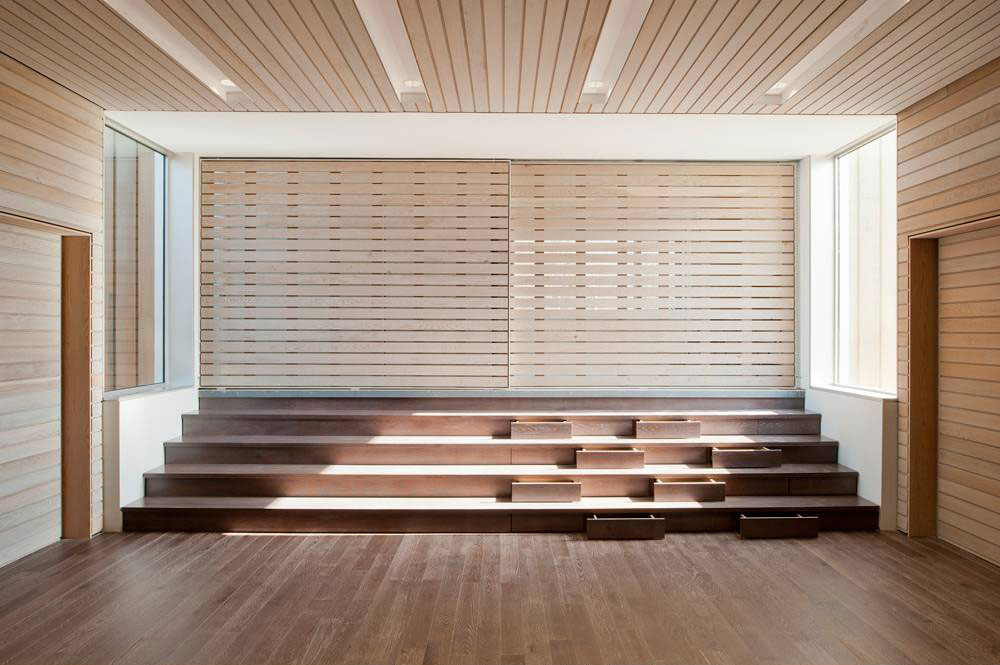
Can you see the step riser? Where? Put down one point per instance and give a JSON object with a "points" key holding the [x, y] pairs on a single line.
{"points": [[453, 454], [470, 486], [452, 425], [292, 521]]}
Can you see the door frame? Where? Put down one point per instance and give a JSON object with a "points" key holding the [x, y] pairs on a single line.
{"points": [[922, 378], [76, 351]]}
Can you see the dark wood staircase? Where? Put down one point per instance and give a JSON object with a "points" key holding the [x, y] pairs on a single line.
{"points": [[450, 465]]}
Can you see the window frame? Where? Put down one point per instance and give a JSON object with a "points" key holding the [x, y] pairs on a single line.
{"points": [[165, 380], [835, 377]]}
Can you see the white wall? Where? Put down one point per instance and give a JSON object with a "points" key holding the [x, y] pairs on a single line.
{"points": [[136, 427]]}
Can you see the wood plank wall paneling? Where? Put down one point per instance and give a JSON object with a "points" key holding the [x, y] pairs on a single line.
{"points": [[354, 273], [948, 173], [30, 510], [51, 145], [968, 496], [643, 274]]}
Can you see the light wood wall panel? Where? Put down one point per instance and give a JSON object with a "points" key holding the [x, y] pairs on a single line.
{"points": [[948, 173], [652, 274], [30, 509], [51, 170], [354, 273], [969, 391]]}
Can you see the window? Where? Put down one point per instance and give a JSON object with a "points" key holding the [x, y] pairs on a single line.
{"points": [[866, 266], [134, 177]]}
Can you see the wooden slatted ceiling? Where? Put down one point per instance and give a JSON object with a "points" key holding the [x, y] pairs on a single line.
{"points": [[87, 47], [668, 274], [30, 509], [969, 392], [294, 55], [948, 173], [344, 273], [691, 56]]}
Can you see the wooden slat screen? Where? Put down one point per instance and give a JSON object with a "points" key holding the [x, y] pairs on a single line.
{"points": [[30, 515], [969, 391], [652, 274], [354, 273]]}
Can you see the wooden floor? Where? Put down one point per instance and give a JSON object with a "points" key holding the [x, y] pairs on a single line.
{"points": [[199, 599]]}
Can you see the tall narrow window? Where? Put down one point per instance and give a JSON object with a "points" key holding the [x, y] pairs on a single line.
{"points": [[866, 266], [133, 262]]}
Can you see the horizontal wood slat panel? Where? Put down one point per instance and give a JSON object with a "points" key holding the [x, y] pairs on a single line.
{"points": [[30, 397], [969, 396], [311, 282], [594, 263]]}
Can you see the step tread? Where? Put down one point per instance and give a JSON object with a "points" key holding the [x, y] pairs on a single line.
{"points": [[446, 440], [270, 470], [818, 503], [369, 413]]}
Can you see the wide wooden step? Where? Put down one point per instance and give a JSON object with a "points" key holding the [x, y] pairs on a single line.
{"points": [[419, 450], [301, 480], [470, 515], [374, 422]]}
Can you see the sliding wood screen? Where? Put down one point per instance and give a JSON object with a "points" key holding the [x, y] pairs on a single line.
{"points": [[645, 274], [354, 274]]}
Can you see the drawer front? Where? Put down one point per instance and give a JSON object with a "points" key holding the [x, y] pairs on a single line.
{"points": [[667, 429], [523, 429], [542, 491], [780, 526], [688, 490], [610, 459], [626, 527], [745, 458]]}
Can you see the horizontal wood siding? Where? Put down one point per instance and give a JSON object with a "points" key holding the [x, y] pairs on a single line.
{"points": [[969, 391], [948, 173], [51, 147], [354, 274], [643, 274], [29, 391]]}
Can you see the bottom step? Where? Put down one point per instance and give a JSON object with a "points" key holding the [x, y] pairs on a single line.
{"points": [[471, 515]]}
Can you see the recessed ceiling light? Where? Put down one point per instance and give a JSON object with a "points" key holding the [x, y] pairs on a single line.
{"points": [[595, 85], [780, 85], [412, 83], [227, 83], [392, 43], [622, 23]]}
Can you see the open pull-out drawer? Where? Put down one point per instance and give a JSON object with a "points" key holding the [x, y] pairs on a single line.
{"points": [[745, 458], [610, 458], [626, 526], [541, 429], [706, 489], [667, 429], [778, 526], [540, 491]]}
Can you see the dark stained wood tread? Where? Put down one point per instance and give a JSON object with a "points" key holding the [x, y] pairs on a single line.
{"points": [[501, 470], [474, 440], [822, 503]]}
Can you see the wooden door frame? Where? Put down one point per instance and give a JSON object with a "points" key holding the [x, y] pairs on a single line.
{"points": [[75, 376], [922, 377]]}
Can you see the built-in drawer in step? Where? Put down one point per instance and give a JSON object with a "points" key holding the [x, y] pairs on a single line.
{"points": [[745, 458], [544, 491], [625, 527], [689, 490], [541, 429], [778, 526], [610, 458], [667, 429]]}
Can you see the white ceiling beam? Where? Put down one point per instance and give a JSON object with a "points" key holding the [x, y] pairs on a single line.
{"points": [[618, 34]]}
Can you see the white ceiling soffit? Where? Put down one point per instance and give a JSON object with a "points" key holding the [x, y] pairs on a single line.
{"points": [[618, 35], [146, 20], [499, 135], [388, 34], [844, 37]]}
